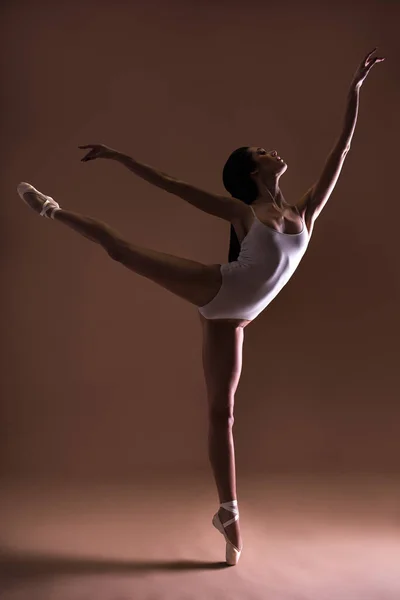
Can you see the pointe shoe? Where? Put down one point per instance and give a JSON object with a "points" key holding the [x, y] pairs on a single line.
{"points": [[49, 206], [232, 553]]}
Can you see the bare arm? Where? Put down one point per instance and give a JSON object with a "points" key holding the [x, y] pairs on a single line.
{"points": [[224, 207], [317, 196]]}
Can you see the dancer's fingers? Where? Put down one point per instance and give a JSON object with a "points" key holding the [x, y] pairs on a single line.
{"points": [[368, 56]]}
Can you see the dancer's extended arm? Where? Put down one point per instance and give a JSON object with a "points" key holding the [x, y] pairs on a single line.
{"points": [[224, 207], [317, 196]]}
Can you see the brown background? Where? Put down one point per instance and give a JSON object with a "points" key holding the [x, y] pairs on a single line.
{"points": [[101, 369]]}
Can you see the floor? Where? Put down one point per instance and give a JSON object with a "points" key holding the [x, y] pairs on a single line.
{"points": [[305, 538]]}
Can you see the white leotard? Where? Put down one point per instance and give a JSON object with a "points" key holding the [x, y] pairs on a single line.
{"points": [[266, 262]]}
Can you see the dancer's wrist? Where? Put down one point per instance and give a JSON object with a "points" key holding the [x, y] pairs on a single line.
{"points": [[115, 155]]}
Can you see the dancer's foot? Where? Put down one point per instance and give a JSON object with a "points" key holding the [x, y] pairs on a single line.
{"points": [[231, 534], [44, 205], [232, 530]]}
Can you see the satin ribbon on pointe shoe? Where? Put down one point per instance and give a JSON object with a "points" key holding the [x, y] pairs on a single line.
{"points": [[232, 553]]}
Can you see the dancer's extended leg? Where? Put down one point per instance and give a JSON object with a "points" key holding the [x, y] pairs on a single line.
{"points": [[193, 281]]}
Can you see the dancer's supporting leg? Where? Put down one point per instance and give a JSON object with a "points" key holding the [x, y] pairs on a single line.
{"points": [[222, 363]]}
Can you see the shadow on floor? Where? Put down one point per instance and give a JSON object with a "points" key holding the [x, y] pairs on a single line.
{"points": [[31, 565]]}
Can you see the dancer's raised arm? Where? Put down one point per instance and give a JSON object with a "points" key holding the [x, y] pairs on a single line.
{"points": [[224, 207], [317, 196]]}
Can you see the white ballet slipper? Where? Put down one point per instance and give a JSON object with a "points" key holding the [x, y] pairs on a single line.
{"points": [[232, 553], [49, 206]]}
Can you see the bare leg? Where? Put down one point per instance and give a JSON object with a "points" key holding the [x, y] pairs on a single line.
{"points": [[193, 281], [222, 342], [222, 362], [222, 349]]}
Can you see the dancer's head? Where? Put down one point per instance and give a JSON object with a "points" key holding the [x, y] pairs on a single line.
{"points": [[249, 169], [246, 173]]}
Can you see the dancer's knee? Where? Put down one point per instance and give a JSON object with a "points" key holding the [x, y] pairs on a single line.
{"points": [[115, 248], [221, 411]]}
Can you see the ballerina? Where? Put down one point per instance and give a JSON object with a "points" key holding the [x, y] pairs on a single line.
{"points": [[269, 237]]}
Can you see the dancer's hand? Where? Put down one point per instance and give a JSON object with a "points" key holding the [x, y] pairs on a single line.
{"points": [[364, 68], [97, 151]]}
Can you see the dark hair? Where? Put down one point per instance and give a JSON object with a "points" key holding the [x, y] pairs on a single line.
{"points": [[237, 181]]}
